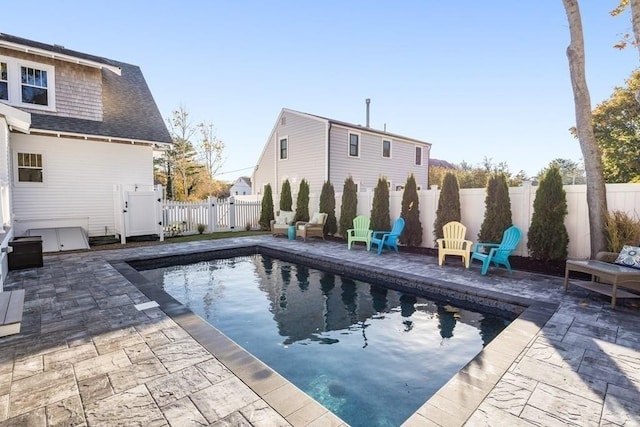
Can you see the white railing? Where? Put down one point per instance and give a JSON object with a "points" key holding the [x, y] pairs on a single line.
{"points": [[213, 214]]}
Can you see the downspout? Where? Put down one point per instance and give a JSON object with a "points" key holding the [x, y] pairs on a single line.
{"points": [[328, 171]]}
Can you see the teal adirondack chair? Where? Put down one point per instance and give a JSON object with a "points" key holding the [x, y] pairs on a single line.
{"points": [[388, 238], [497, 253], [360, 232]]}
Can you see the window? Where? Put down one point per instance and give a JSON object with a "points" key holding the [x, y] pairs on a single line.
{"points": [[4, 82], [418, 156], [386, 148], [284, 143], [30, 167], [27, 84], [35, 86], [354, 145]]}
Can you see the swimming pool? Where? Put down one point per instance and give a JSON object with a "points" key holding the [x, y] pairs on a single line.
{"points": [[369, 354]]}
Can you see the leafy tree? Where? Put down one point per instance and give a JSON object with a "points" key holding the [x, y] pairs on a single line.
{"points": [[349, 207], [328, 206], [285, 196], [470, 176], [571, 172], [210, 149], [410, 212], [548, 236], [615, 124], [266, 212], [380, 216], [596, 190], [448, 205], [497, 214], [302, 202]]}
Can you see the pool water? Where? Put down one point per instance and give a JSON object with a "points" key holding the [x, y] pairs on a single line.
{"points": [[369, 354]]}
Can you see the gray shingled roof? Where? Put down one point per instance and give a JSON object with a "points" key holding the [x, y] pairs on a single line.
{"points": [[129, 110]]}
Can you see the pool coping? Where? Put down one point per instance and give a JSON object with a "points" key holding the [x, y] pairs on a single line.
{"points": [[452, 404]]}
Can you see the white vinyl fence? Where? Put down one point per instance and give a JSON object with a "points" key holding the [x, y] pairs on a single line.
{"points": [[234, 213], [240, 212]]}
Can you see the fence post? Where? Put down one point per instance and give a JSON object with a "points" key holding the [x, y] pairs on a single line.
{"points": [[211, 214], [232, 213]]}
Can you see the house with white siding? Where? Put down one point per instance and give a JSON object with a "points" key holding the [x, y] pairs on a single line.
{"points": [[241, 187], [73, 126], [319, 149]]}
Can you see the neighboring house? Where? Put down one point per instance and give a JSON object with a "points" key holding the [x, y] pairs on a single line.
{"points": [[318, 149], [241, 187], [73, 126]]}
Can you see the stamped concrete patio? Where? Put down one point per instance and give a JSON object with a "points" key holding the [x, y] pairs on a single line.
{"points": [[95, 350]]}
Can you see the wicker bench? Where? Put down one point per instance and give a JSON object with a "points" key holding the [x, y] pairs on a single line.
{"points": [[607, 278]]}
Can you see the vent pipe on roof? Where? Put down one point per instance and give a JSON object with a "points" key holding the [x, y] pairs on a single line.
{"points": [[368, 101]]}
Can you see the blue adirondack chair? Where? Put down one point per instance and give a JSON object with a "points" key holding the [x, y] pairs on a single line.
{"points": [[497, 253], [388, 238]]}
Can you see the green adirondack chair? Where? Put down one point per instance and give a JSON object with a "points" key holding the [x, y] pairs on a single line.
{"points": [[497, 253], [388, 238], [360, 232]]}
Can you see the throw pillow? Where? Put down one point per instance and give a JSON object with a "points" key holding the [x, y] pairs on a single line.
{"points": [[315, 219], [280, 220], [629, 256]]}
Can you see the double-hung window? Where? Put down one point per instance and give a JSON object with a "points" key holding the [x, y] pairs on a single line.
{"points": [[29, 167], [418, 156], [386, 148], [27, 84], [354, 145], [284, 148], [4, 82]]}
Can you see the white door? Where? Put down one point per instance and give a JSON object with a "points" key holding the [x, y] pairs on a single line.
{"points": [[140, 210]]}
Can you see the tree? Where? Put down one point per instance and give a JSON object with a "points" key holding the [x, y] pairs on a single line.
{"points": [[616, 122], [380, 216], [349, 206], [182, 156], [448, 205], [302, 202], [470, 176], [571, 172], [285, 196], [596, 190], [548, 237], [497, 214], [410, 212], [328, 206], [266, 212], [210, 149]]}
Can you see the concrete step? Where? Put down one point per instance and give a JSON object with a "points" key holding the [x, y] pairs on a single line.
{"points": [[11, 305]]}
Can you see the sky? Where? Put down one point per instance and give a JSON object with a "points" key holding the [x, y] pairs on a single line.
{"points": [[476, 79]]}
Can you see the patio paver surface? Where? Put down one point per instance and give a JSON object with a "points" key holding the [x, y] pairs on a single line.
{"points": [[87, 356]]}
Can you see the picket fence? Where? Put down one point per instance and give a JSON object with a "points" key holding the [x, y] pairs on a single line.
{"points": [[243, 212], [211, 214]]}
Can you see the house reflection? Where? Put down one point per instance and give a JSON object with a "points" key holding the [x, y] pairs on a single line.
{"points": [[322, 302]]}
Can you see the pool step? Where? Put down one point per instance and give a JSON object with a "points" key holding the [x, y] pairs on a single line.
{"points": [[11, 305]]}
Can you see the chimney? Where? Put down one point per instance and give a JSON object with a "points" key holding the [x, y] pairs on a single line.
{"points": [[368, 101]]}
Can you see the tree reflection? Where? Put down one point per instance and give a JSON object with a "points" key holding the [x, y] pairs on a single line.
{"points": [[348, 295], [379, 297], [302, 274], [446, 321], [407, 308]]}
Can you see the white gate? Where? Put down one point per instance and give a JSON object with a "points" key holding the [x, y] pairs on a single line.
{"points": [[140, 212]]}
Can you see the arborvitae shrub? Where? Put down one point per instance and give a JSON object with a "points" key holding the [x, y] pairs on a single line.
{"points": [[497, 214], [412, 233], [349, 207], [548, 236], [448, 204], [266, 211], [285, 196], [328, 206], [302, 202], [380, 217]]}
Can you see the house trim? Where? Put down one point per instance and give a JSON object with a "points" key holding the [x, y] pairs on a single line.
{"points": [[16, 119], [59, 56], [97, 138]]}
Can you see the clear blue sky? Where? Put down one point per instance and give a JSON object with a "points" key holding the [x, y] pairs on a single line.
{"points": [[474, 78]]}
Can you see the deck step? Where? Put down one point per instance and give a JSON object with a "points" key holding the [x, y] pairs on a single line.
{"points": [[11, 306]]}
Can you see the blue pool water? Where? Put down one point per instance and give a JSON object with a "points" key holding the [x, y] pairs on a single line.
{"points": [[371, 355]]}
